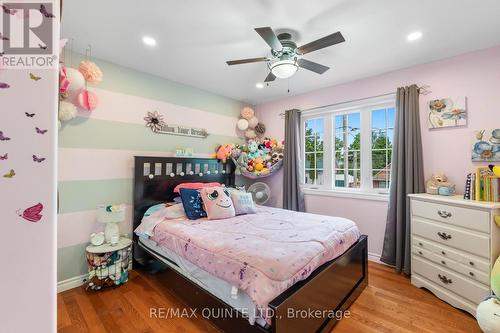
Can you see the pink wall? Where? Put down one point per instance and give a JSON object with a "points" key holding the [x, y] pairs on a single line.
{"points": [[474, 75]]}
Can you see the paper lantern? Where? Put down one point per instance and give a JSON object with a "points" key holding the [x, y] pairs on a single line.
{"points": [[250, 134], [252, 122], [87, 100], [76, 80], [242, 124], [247, 113], [90, 71], [67, 111]]}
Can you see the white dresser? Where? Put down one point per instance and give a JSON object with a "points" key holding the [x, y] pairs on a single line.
{"points": [[454, 244]]}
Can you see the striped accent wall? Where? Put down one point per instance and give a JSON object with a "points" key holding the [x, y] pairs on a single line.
{"points": [[96, 149]]}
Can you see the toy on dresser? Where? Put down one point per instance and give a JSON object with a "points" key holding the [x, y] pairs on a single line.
{"points": [[488, 311], [438, 184]]}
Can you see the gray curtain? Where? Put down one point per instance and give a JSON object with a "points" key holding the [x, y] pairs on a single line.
{"points": [[407, 177], [293, 197]]}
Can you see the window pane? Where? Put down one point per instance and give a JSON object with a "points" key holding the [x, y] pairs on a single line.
{"points": [[310, 127], [339, 160], [319, 142], [354, 159], [340, 180], [379, 159], [391, 117], [378, 119], [390, 137], [339, 141], [310, 176], [354, 121], [319, 125], [379, 139], [319, 161], [354, 177], [355, 140], [320, 180], [381, 178], [310, 161], [339, 123], [309, 144]]}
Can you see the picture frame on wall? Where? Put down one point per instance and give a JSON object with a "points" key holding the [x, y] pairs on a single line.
{"points": [[486, 145], [447, 112]]}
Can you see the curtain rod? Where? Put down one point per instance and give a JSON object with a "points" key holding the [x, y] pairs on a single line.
{"points": [[423, 90]]}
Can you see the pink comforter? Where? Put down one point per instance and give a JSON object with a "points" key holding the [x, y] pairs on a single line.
{"points": [[262, 254]]}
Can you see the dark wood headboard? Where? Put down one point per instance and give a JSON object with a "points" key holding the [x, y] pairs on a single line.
{"points": [[156, 177]]}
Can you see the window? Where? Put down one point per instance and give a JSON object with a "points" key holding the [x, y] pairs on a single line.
{"points": [[348, 147]]}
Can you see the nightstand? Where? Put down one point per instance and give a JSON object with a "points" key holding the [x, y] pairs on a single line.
{"points": [[108, 265]]}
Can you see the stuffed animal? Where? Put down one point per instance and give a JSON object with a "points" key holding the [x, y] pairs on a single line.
{"points": [[488, 315], [495, 169], [223, 152], [235, 152], [435, 182], [495, 277]]}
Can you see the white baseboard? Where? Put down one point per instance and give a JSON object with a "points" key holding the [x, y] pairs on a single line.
{"points": [[71, 283], [374, 257]]}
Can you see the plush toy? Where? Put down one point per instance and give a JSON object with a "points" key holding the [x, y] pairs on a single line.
{"points": [[259, 167], [223, 152], [247, 113], [235, 152], [495, 169], [488, 315], [495, 277], [252, 146], [250, 134], [435, 182]]}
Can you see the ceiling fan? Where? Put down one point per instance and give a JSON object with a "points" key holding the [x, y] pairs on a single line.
{"points": [[286, 56]]}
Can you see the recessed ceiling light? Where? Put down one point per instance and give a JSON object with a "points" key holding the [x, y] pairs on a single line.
{"points": [[414, 36], [149, 41], [259, 85]]}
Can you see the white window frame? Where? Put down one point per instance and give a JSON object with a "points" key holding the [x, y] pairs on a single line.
{"points": [[365, 108]]}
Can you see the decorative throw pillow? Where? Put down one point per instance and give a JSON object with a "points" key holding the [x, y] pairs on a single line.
{"points": [[193, 205], [195, 186], [243, 202], [218, 203]]}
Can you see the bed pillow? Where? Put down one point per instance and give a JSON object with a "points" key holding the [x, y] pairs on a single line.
{"points": [[243, 202], [193, 204], [194, 186], [218, 203], [151, 210]]}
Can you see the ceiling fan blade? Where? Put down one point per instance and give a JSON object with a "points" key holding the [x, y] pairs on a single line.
{"points": [[270, 37], [246, 61], [312, 66], [321, 43], [270, 77]]}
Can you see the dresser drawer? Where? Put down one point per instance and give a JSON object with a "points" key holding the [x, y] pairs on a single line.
{"points": [[423, 244], [466, 240], [447, 252], [422, 253], [474, 274], [469, 289], [476, 263], [468, 218]]}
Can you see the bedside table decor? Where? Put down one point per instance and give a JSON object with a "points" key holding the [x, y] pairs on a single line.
{"points": [[108, 265], [111, 215]]}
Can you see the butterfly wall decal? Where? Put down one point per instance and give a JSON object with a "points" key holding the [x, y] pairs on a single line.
{"points": [[43, 47], [45, 13], [1, 54], [40, 131], [33, 213], [10, 174], [8, 11], [38, 159], [29, 115], [3, 137], [4, 85], [4, 157], [34, 77], [2, 37]]}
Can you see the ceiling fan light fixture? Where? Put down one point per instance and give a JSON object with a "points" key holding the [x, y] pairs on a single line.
{"points": [[284, 69]]}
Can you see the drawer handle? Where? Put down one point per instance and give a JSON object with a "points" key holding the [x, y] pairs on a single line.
{"points": [[444, 214], [444, 279], [471, 263], [471, 274], [444, 235]]}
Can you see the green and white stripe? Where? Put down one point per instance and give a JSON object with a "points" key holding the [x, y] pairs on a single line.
{"points": [[96, 149]]}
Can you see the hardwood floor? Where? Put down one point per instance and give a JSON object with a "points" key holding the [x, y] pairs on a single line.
{"points": [[389, 304]]}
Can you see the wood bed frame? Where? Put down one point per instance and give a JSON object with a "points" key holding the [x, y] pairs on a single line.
{"points": [[312, 305]]}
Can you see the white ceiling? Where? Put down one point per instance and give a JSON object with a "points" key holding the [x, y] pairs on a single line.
{"points": [[195, 38]]}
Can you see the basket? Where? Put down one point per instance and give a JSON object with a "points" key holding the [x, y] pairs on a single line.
{"points": [[257, 175]]}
